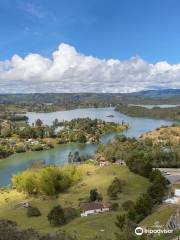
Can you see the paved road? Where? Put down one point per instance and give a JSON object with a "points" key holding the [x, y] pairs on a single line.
{"points": [[173, 174]]}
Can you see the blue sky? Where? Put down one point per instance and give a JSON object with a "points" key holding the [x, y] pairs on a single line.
{"points": [[142, 37], [103, 28]]}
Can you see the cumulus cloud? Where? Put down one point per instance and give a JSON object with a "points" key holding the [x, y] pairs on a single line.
{"points": [[70, 71]]}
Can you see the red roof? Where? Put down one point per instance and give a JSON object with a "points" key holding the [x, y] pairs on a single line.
{"points": [[94, 205]]}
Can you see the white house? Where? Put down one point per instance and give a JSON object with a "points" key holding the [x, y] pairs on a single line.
{"points": [[90, 208], [175, 199]]}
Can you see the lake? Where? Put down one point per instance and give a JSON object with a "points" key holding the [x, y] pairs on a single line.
{"points": [[58, 155]]}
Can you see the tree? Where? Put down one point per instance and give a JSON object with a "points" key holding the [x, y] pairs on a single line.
{"points": [[76, 157], [55, 122], [143, 206], [6, 132], [115, 206], [147, 169], [56, 216], [94, 195], [115, 187], [82, 137], [39, 122], [70, 158], [121, 221], [156, 191]]}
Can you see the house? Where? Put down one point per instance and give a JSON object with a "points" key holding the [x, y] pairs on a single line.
{"points": [[103, 163], [175, 199], [90, 208]]}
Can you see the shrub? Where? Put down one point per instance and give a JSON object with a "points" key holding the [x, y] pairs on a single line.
{"points": [[33, 212], [128, 205], [56, 216], [115, 187], [115, 206], [70, 213]]}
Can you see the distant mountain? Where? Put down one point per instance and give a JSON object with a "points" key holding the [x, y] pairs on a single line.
{"points": [[72, 100], [157, 93]]}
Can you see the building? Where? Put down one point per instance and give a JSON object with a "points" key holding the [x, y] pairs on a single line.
{"points": [[120, 162], [104, 163], [90, 208]]}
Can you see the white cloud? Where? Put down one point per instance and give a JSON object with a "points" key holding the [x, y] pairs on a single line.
{"points": [[70, 71], [33, 10]]}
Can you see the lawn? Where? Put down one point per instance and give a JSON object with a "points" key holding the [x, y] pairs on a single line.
{"points": [[87, 227]]}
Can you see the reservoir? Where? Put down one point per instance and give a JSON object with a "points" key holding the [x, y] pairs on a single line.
{"points": [[59, 155]]}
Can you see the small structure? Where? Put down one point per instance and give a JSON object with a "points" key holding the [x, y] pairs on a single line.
{"points": [[90, 208], [120, 162], [175, 199], [104, 163], [24, 204]]}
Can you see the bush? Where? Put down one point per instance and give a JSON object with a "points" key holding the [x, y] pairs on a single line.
{"points": [[56, 216], [115, 206], [70, 213], [33, 212], [128, 205]]}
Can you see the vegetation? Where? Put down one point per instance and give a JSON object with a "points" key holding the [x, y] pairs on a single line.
{"points": [[95, 196], [56, 216], [165, 136], [49, 102], [115, 188], [33, 212], [49, 180], [22, 137], [89, 227], [140, 154], [59, 216], [10, 231], [171, 113], [142, 207], [128, 205], [87, 130]]}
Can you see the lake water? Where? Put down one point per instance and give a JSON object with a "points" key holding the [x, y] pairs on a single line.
{"points": [[59, 155]]}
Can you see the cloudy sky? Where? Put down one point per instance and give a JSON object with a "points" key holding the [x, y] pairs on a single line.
{"points": [[89, 46]]}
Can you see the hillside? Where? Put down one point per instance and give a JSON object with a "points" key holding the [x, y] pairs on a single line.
{"points": [[88, 227], [56, 101], [164, 135]]}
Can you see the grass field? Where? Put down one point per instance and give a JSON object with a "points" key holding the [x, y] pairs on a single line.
{"points": [[161, 214], [85, 228]]}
